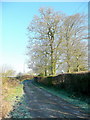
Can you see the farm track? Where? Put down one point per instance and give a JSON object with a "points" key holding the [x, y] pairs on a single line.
{"points": [[38, 103], [43, 104]]}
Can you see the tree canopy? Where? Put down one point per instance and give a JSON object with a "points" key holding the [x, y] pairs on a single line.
{"points": [[55, 40]]}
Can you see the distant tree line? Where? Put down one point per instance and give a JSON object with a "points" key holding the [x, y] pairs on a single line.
{"points": [[56, 41]]}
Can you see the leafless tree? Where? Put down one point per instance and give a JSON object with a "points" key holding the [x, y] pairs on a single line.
{"points": [[56, 39]]}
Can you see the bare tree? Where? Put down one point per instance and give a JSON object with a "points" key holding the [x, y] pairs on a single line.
{"points": [[74, 31], [6, 71], [56, 39], [46, 29]]}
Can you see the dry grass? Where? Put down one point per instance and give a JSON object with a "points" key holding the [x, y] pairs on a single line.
{"points": [[8, 91], [6, 107]]}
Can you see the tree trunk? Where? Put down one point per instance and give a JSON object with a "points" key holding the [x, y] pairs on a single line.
{"points": [[54, 67], [77, 65], [52, 62], [45, 72], [68, 67]]}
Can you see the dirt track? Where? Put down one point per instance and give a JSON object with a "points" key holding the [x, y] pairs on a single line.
{"points": [[42, 104]]}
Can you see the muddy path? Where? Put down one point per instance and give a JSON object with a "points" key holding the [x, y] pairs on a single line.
{"points": [[42, 104]]}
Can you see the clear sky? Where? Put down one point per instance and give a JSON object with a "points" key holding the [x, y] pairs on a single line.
{"points": [[16, 17]]}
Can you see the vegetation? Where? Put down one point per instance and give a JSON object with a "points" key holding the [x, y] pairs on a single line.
{"points": [[24, 77], [9, 92], [75, 82], [74, 85], [56, 42], [20, 109], [10, 89], [66, 92]]}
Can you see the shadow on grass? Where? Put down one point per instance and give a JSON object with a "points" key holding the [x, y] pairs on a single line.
{"points": [[20, 108]]}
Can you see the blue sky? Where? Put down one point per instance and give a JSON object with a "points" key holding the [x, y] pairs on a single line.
{"points": [[16, 17]]}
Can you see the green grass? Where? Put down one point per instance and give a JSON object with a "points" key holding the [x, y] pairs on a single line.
{"points": [[77, 101], [20, 110], [13, 92], [15, 97]]}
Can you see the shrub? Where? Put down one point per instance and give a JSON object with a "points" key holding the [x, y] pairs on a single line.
{"points": [[48, 81]]}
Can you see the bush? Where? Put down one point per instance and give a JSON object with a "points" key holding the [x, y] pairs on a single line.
{"points": [[48, 81], [24, 77]]}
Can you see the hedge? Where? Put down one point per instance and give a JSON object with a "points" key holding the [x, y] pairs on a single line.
{"points": [[76, 82]]}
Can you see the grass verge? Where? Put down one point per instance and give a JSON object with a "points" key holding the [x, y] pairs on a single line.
{"points": [[9, 97], [13, 92]]}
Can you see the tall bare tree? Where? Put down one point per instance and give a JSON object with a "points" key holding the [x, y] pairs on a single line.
{"points": [[46, 31], [56, 39], [74, 31]]}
